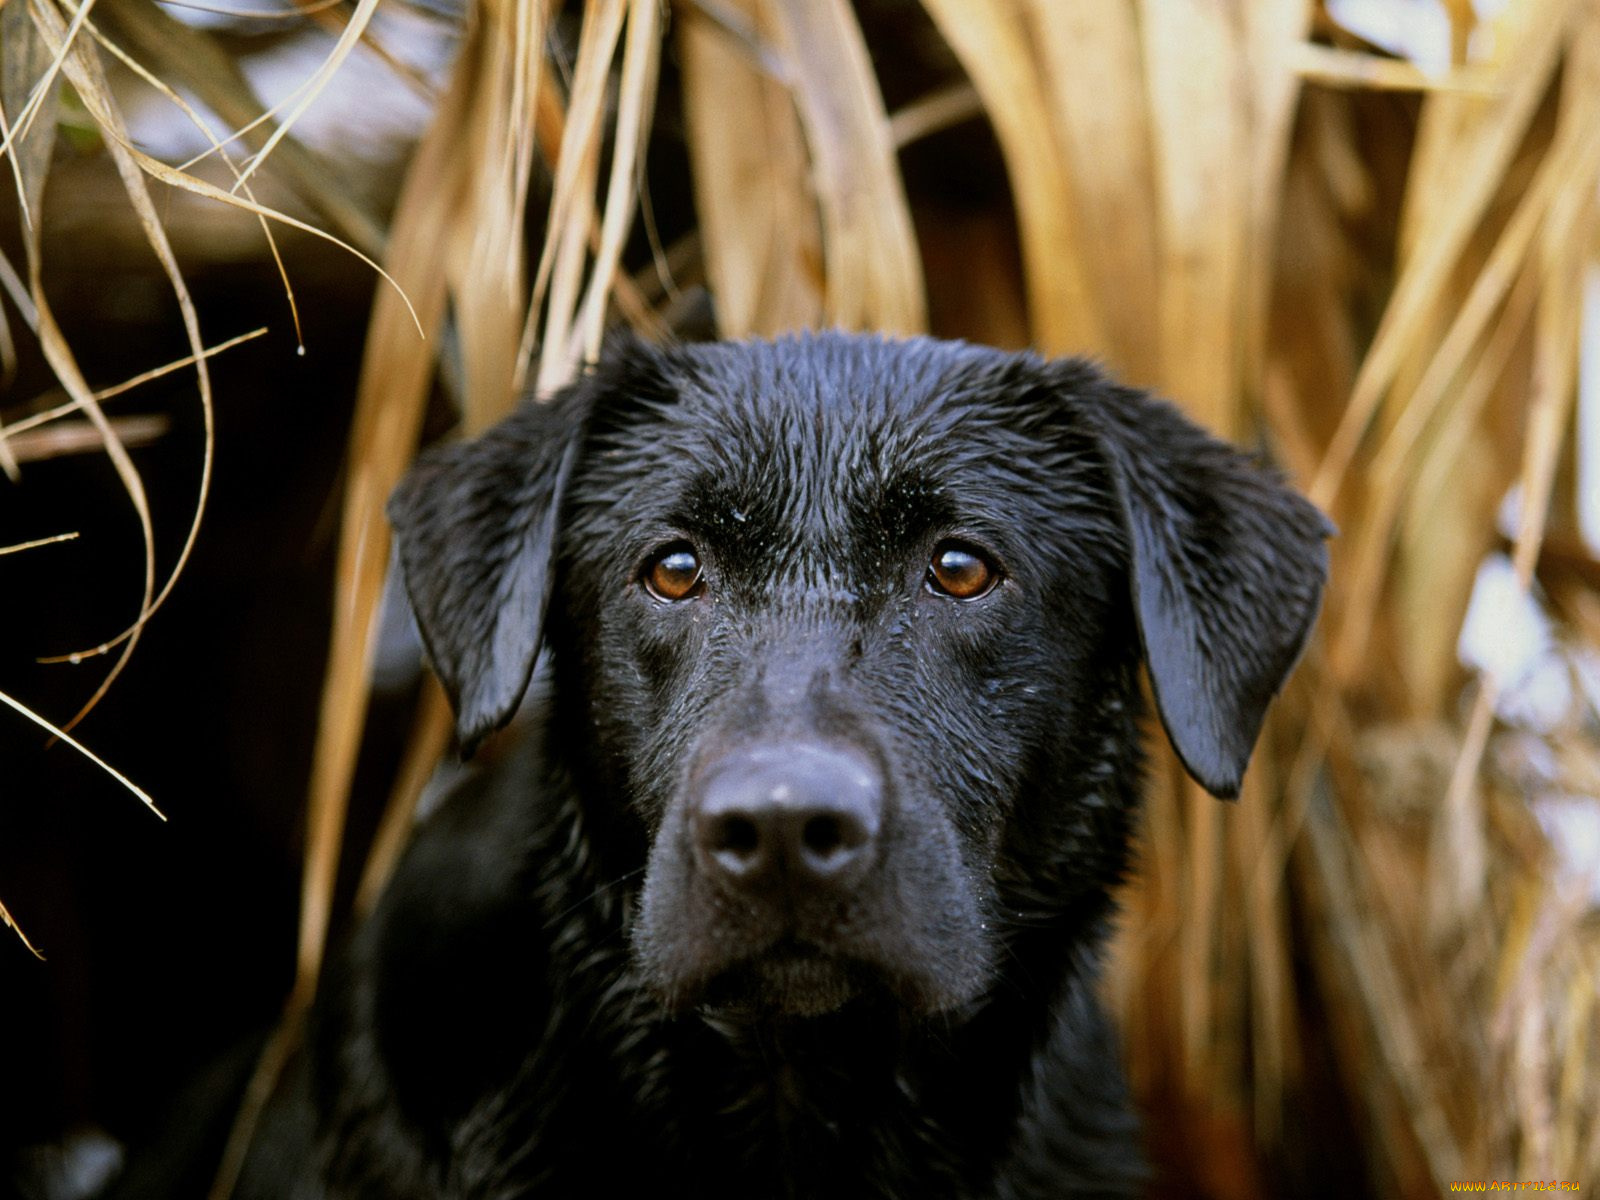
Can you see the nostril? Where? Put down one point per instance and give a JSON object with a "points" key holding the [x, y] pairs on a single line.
{"points": [[823, 835], [831, 843], [736, 835]]}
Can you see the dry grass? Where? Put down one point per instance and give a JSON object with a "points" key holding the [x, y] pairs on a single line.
{"points": [[1375, 271]]}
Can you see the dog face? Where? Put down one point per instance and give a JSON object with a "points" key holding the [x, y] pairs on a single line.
{"points": [[848, 632]]}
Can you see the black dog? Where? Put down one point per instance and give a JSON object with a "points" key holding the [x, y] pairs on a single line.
{"points": [[795, 883]]}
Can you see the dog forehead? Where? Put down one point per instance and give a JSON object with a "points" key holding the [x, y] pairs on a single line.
{"points": [[837, 423], [834, 397]]}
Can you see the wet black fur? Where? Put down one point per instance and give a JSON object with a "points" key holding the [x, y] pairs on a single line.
{"points": [[549, 1002]]}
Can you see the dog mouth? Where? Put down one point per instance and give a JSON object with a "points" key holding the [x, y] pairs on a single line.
{"points": [[791, 978]]}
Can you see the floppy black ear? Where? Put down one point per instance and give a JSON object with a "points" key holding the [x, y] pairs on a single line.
{"points": [[475, 525], [1226, 566]]}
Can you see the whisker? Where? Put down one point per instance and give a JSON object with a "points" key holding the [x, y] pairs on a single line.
{"points": [[590, 897]]}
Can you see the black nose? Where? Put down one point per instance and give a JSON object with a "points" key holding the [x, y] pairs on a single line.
{"points": [[795, 815]]}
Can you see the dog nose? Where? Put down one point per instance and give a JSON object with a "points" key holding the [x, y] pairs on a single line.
{"points": [[788, 815]]}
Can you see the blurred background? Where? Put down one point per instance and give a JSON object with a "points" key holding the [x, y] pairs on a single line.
{"points": [[255, 254]]}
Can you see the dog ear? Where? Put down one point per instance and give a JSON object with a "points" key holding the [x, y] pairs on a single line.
{"points": [[475, 527], [1226, 568]]}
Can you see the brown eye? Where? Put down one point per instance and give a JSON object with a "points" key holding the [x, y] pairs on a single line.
{"points": [[960, 572], [674, 574]]}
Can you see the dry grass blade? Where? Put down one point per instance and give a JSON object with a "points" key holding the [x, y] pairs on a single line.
{"points": [[758, 216], [18, 547], [66, 410], [431, 730], [994, 50], [281, 1043], [638, 85], [379, 48], [1331, 66], [18, 292], [63, 736], [1200, 122], [312, 88], [25, 62], [81, 437], [295, 12], [744, 26], [486, 260], [1096, 79], [1461, 864], [1274, 88], [566, 281], [8, 366], [871, 262], [937, 111], [10, 923], [562, 259], [8, 373], [1435, 490]]}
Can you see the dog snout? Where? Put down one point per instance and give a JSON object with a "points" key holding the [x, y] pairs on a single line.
{"points": [[802, 817]]}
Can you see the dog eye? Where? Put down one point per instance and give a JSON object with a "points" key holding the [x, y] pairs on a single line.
{"points": [[674, 573], [961, 572]]}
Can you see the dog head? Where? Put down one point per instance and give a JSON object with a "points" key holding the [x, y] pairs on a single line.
{"points": [[848, 630]]}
